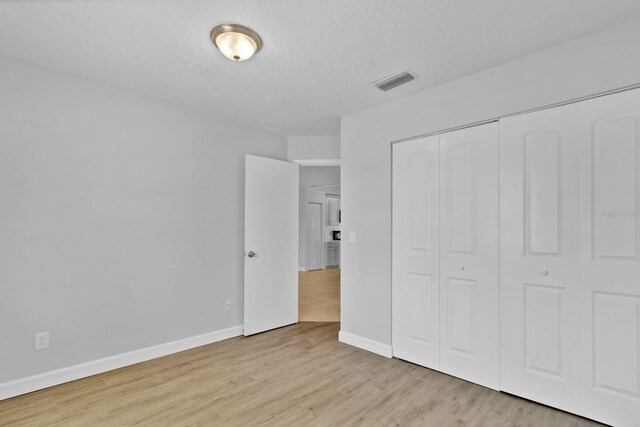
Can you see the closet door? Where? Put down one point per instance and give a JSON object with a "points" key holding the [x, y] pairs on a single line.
{"points": [[415, 251], [539, 283], [469, 255], [610, 256]]}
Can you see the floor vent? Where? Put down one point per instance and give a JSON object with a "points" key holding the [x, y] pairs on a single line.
{"points": [[394, 80]]}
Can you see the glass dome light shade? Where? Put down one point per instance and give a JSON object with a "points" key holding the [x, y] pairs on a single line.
{"points": [[236, 42]]}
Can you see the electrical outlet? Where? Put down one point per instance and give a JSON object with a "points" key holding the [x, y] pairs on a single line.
{"points": [[228, 306], [42, 341]]}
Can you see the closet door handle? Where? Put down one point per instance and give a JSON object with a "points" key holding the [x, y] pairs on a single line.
{"points": [[544, 271], [461, 267]]}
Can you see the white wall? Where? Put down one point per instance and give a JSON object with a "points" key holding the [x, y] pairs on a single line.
{"points": [[586, 66], [121, 219], [318, 176], [313, 147]]}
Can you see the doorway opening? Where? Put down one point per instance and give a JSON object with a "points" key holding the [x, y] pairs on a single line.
{"points": [[319, 244]]}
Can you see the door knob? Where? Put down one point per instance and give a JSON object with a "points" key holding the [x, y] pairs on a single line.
{"points": [[544, 271], [461, 268], [251, 254]]}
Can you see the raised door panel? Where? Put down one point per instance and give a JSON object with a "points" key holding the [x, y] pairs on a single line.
{"points": [[614, 190], [469, 254], [542, 187], [333, 209], [461, 182], [419, 301], [461, 316], [331, 261], [609, 258], [543, 337], [539, 289], [615, 348], [415, 251]]}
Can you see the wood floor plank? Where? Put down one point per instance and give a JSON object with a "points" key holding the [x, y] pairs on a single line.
{"points": [[294, 376], [319, 295]]}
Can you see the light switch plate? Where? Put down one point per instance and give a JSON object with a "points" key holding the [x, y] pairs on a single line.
{"points": [[352, 237]]}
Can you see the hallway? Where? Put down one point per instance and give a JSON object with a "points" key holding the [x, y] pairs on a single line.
{"points": [[319, 295]]}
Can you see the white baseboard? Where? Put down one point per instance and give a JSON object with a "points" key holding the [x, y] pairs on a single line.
{"points": [[365, 344], [87, 369], [302, 269]]}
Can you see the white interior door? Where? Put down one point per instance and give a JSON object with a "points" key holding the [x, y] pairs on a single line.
{"points": [[610, 257], [314, 236], [539, 285], [469, 254], [416, 228], [271, 244]]}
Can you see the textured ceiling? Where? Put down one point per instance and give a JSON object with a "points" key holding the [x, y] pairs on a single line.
{"points": [[319, 56]]}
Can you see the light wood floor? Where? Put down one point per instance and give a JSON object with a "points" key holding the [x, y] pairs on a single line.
{"points": [[319, 296], [295, 376]]}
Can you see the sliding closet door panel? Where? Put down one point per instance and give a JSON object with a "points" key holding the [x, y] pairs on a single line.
{"points": [[539, 257], [469, 256], [610, 256], [415, 251]]}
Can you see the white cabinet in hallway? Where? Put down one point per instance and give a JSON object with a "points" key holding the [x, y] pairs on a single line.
{"points": [[445, 246], [333, 210], [333, 254]]}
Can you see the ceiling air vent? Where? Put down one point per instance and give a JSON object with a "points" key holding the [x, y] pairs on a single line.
{"points": [[394, 80]]}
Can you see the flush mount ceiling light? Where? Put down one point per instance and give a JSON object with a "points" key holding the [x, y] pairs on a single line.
{"points": [[236, 42]]}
